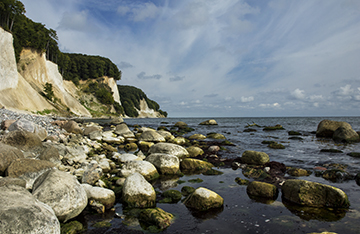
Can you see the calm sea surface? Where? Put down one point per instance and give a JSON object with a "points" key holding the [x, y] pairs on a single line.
{"points": [[244, 215]]}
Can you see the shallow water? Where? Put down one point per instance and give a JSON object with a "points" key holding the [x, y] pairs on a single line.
{"points": [[241, 214]]}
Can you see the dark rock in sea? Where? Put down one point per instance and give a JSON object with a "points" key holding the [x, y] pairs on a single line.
{"points": [[262, 189], [354, 154], [331, 151], [272, 128]]}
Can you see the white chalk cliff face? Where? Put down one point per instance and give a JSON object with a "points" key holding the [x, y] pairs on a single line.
{"points": [[15, 92], [146, 112]]}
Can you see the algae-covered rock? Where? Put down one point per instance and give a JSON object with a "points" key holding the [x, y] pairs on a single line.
{"points": [[314, 194], [255, 157], [191, 164], [241, 181], [195, 151], [187, 190], [171, 196], [262, 189], [209, 122], [72, 227], [255, 173], [197, 136], [214, 135], [180, 124], [178, 140], [298, 172], [345, 134], [276, 145], [326, 128], [156, 217], [166, 164], [272, 128], [138, 193], [204, 199], [169, 148]]}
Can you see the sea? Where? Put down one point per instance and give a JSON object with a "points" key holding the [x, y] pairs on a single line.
{"points": [[240, 213]]}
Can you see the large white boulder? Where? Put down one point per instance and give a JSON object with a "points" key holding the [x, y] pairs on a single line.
{"points": [[145, 168], [165, 163], [103, 195], [137, 192], [169, 148], [62, 192]]}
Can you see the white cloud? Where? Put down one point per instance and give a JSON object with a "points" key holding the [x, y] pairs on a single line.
{"points": [[273, 105], [139, 12], [247, 99], [77, 21], [142, 75], [298, 94]]}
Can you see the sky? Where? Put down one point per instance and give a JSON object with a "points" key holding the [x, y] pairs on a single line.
{"points": [[228, 58]]}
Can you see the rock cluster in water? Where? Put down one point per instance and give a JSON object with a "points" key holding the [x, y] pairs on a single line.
{"points": [[56, 170]]}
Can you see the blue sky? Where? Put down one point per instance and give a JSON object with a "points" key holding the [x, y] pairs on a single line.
{"points": [[228, 58]]}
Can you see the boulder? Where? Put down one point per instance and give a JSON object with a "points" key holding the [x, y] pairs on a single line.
{"points": [[6, 123], [197, 136], [209, 122], [138, 193], [195, 151], [343, 134], [62, 192], [22, 140], [169, 148], [90, 129], [204, 199], [167, 135], [156, 217], [180, 124], [314, 194], [116, 120], [95, 135], [28, 169], [92, 173], [22, 213], [26, 125], [50, 153], [103, 195], [125, 157], [7, 155], [262, 189], [178, 140], [215, 135], [151, 136], [123, 130], [74, 154], [254, 157], [14, 181], [195, 165], [72, 127], [145, 146], [214, 148], [326, 128], [145, 168], [166, 164], [298, 172]]}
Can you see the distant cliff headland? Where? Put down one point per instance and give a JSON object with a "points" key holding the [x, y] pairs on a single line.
{"points": [[35, 76]]}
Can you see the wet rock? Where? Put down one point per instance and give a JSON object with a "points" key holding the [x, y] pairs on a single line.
{"points": [[137, 192], [197, 136], [241, 181], [187, 190], [331, 151], [194, 165], [166, 164], [178, 141], [276, 145], [255, 173], [214, 135], [171, 196], [209, 122], [169, 148], [7, 155], [151, 136], [326, 128], [102, 195], [28, 169], [156, 217], [195, 151], [336, 175], [314, 194], [92, 173], [21, 213], [180, 124], [254, 157], [72, 227], [357, 178], [166, 134], [262, 189], [204, 199], [272, 128], [293, 171], [62, 192], [294, 133], [354, 154], [145, 168], [345, 134], [123, 130], [22, 140]]}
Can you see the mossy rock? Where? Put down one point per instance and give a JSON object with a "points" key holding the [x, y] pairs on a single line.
{"points": [[198, 180], [72, 227], [156, 217], [262, 189], [268, 142], [296, 138], [241, 181], [195, 151], [212, 172], [254, 157], [293, 171], [197, 136], [273, 128], [331, 151], [173, 195], [249, 130], [102, 224], [195, 165], [214, 135], [336, 175], [276, 146], [354, 154], [294, 133], [187, 190], [203, 199], [255, 173]]}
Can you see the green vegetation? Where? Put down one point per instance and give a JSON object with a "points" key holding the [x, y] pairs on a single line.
{"points": [[48, 91], [130, 98]]}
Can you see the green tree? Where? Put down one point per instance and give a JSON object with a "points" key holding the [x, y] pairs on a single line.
{"points": [[48, 90]]}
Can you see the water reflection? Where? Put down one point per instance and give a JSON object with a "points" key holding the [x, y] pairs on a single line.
{"points": [[205, 215]]}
